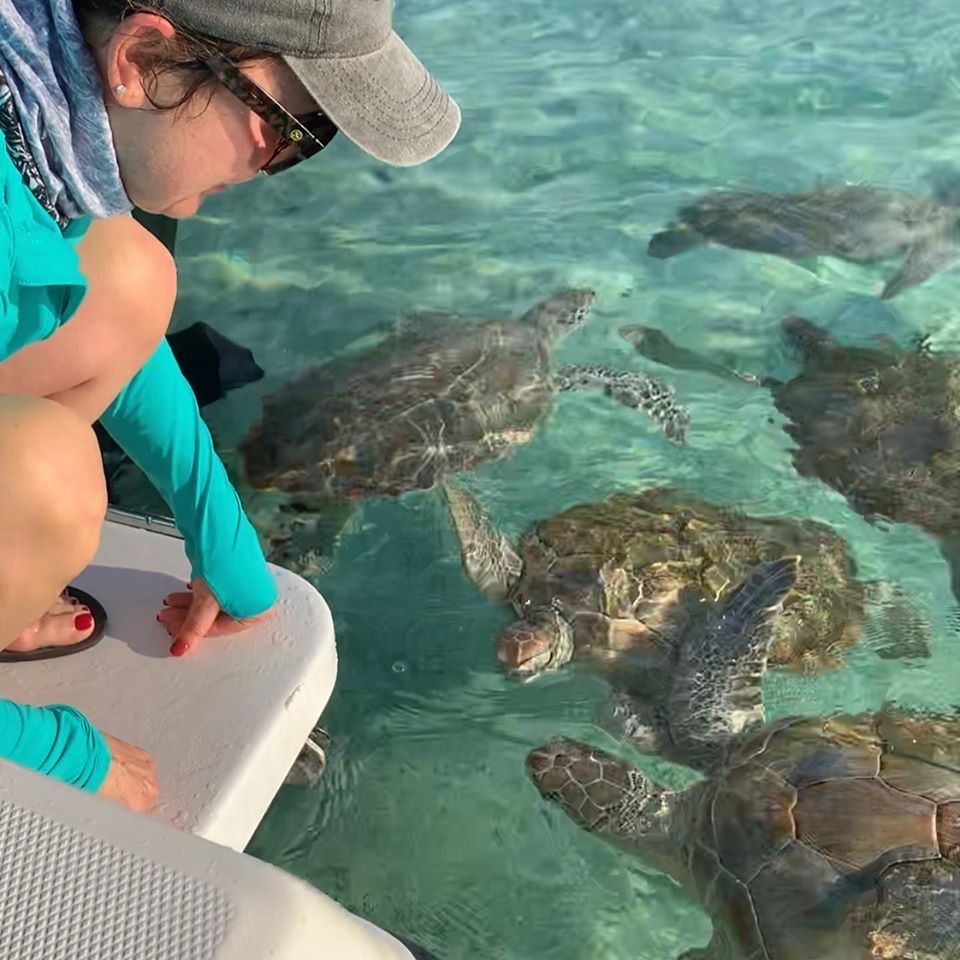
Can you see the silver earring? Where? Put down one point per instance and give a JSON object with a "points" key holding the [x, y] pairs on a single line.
{"points": [[121, 89]]}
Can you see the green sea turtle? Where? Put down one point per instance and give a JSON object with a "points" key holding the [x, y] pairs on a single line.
{"points": [[856, 223], [817, 838], [439, 396], [614, 582], [880, 424]]}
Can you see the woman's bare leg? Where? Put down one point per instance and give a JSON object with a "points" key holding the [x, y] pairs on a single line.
{"points": [[126, 311], [52, 504], [123, 317]]}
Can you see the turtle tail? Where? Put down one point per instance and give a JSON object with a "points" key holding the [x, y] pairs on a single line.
{"points": [[672, 242]]}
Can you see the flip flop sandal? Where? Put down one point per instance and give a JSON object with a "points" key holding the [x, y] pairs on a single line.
{"points": [[48, 653]]}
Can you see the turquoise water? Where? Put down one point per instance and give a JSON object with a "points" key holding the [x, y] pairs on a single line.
{"points": [[586, 124]]}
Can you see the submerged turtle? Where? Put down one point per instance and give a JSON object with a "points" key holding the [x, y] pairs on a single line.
{"points": [[880, 424], [616, 581], [818, 838], [438, 397], [856, 223]]}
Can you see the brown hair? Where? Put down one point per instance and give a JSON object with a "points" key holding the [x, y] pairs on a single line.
{"points": [[159, 55]]}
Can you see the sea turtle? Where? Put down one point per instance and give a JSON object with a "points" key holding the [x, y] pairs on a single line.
{"points": [[852, 222], [441, 395], [880, 424], [615, 581], [810, 838]]}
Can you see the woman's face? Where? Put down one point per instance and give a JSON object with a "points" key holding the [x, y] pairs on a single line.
{"points": [[171, 159]]}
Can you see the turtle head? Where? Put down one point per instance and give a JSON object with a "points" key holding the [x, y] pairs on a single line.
{"points": [[598, 791], [564, 312], [542, 640]]}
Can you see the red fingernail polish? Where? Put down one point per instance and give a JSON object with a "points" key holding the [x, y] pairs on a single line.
{"points": [[179, 648], [83, 621]]}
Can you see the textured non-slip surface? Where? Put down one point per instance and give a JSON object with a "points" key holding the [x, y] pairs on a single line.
{"points": [[66, 895]]}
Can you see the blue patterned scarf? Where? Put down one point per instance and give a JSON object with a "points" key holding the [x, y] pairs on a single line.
{"points": [[52, 113]]}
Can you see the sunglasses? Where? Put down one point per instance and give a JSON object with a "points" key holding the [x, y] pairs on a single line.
{"points": [[300, 137]]}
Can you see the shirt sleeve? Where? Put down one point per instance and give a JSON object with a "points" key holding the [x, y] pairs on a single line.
{"points": [[57, 740], [157, 422]]}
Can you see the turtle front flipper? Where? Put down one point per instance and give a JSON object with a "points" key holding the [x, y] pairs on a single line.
{"points": [[635, 390], [488, 559], [920, 263], [655, 345], [673, 241], [717, 691]]}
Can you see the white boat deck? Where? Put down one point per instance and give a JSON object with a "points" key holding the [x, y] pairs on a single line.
{"points": [[226, 721], [82, 879]]}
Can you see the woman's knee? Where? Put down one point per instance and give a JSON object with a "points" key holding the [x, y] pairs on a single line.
{"points": [[135, 272], [52, 478]]}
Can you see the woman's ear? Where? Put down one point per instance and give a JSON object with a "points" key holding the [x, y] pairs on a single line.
{"points": [[124, 75]]}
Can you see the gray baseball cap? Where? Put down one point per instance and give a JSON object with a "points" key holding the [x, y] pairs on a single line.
{"points": [[362, 75]]}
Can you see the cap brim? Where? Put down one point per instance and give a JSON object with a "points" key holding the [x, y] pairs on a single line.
{"points": [[386, 102]]}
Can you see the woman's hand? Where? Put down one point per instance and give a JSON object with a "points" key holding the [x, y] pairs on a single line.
{"points": [[191, 615], [132, 777]]}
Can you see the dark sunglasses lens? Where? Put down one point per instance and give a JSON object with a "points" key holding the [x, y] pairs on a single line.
{"points": [[289, 155]]}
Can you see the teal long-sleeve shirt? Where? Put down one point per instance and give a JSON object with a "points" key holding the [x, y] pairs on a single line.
{"points": [[155, 419]]}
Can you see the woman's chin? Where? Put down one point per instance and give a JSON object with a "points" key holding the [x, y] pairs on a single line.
{"points": [[183, 208]]}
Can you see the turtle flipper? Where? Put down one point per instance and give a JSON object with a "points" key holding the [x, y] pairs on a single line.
{"points": [[488, 558], [920, 263], [717, 691], [673, 241], [655, 345], [635, 390]]}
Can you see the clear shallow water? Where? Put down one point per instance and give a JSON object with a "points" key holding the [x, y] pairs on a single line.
{"points": [[586, 125]]}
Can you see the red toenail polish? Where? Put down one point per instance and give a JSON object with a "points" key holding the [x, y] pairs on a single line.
{"points": [[83, 621]]}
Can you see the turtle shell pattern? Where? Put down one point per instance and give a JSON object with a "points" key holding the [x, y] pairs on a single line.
{"points": [[630, 556], [419, 407], [883, 428], [833, 839]]}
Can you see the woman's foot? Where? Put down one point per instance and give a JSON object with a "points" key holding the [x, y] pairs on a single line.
{"points": [[67, 622]]}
